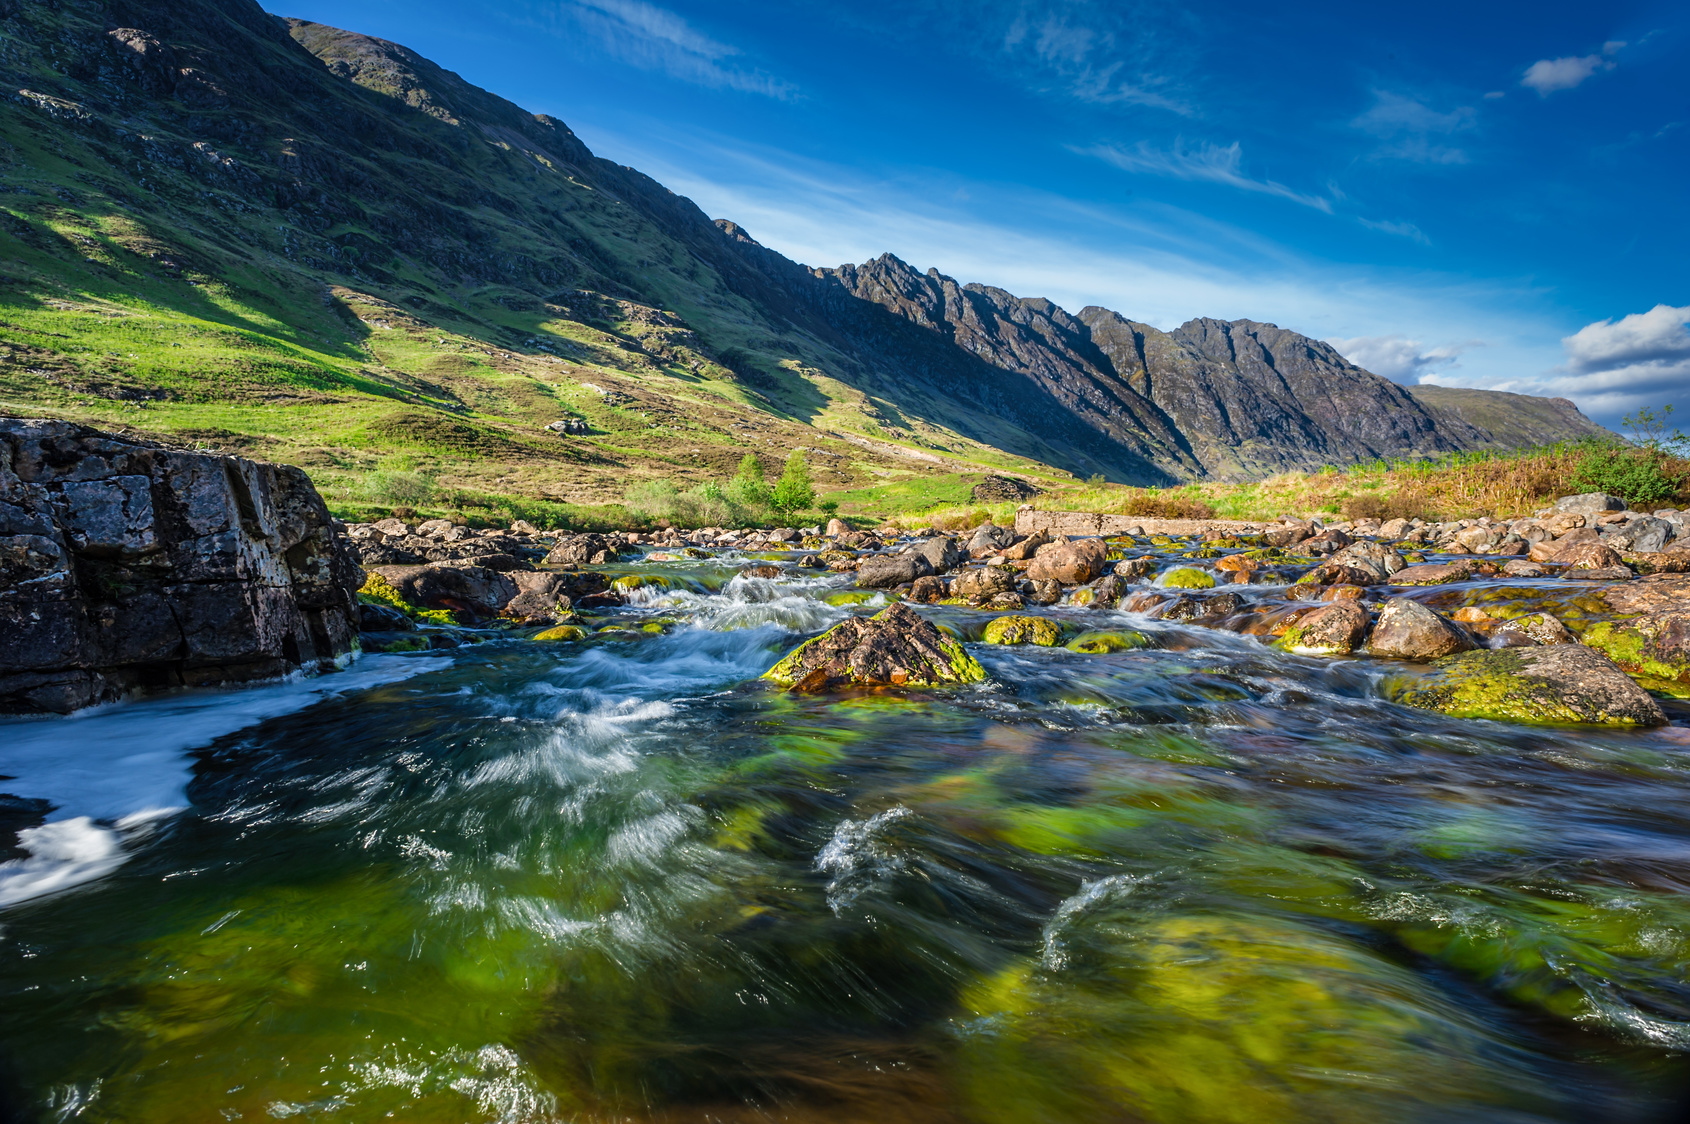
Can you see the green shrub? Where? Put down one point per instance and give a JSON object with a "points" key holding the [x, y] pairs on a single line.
{"points": [[794, 491], [409, 489], [1641, 476]]}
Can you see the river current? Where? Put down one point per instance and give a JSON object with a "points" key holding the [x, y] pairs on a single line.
{"points": [[625, 880]]}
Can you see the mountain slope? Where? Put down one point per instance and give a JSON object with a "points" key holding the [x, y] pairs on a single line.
{"points": [[286, 238]]}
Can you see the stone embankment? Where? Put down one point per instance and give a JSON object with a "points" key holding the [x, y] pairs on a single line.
{"points": [[129, 567]]}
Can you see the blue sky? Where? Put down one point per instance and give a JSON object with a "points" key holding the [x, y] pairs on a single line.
{"points": [[1484, 195]]}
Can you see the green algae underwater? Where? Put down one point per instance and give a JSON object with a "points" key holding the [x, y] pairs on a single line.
{"points": [[1178, 878]]}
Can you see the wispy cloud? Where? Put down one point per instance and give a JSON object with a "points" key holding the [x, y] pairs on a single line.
{"points": [[1401, 359], [654, 38], [1401, 229], [1546, 76], [1075, 49], [1208, 162], [1613, 367], [1413, 130]]}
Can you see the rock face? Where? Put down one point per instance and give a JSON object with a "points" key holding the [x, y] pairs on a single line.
{"points": [[125, 566], [896, 647], [1003, 489], [1408, 630], [1562, 684]]}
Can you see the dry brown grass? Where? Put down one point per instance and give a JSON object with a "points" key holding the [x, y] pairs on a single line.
{"points": [[1164, 505]]}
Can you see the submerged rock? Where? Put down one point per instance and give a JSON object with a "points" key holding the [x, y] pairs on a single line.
{"points": [[896, 647], [1408, 630], [1038, 631], [563, 632], [1335, 630], [1564, 684]]}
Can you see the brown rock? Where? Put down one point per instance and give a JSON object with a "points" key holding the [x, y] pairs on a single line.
{"points": [[928, 590], [1433, 573], [1136, 569], [1046, 592], [1334, 630], [1652, 594], [836, 527], [1235, 563], [883, 571], [1026, 548], [1521, 568], [982, 583], [896, 647], [1408, 630], [1590, 556], [1071, 563]]}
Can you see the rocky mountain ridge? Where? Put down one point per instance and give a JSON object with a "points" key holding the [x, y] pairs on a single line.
{"points": [[348, 228]]}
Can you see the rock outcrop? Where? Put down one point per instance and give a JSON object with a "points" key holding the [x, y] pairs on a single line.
{"points": [[125, 566]]}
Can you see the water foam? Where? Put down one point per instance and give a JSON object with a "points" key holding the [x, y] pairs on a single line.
{"points": [[109, 770]]}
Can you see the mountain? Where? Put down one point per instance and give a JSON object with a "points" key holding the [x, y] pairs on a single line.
{"points": [[1508, 421], [274, 236]]}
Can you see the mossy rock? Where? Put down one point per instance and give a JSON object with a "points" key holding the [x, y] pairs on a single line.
{"points": [[1558, 685], [412, 643], [895, 647], [445, 618], [1187, 577], [848, 597], [814, 542], [627, 583], [1082, 596], [1100, 642], [377, 590], [1161, 540], [697, 552], [1040, 631], [1654, 647], [563, 632]]}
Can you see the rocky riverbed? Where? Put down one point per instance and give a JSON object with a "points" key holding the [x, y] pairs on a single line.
{"points": [[1281, 822]]}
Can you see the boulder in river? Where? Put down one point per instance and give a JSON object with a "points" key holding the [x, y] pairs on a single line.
{"points": [[1024, 549], [982, 583], [1136, 569], [1335, 630], [125, 566], [1101, 642], [896, 647], [1561, 684], [449, 585], [1039, 631], [1188, 577], [1433, 573], [1656, 646], [1071, 563], [884, 571], [1408, 630], [942, 553]]}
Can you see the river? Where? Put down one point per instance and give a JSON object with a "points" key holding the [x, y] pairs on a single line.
{"points": [[626, 881]]}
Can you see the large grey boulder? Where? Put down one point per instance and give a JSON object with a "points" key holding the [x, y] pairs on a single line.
{"points": [[883, 571], [127, 566], [943, 553], [1642, 534], [1589, 503]]}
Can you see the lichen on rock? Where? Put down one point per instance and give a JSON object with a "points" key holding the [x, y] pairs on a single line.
{"points": [[895, 647], [1656, 646]]}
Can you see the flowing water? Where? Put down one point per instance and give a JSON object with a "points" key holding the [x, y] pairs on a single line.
{"points": [[626, 881]]}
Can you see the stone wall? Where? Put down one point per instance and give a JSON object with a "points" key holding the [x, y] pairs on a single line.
{"points": [[125, 566], [1079, 524]]}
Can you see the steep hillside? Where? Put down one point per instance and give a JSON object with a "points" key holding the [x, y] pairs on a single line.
{"points": [[1507, 421], [284, 238]]}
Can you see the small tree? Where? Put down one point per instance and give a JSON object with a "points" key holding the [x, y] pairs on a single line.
{"points": [[794, 491], [749, 487]]}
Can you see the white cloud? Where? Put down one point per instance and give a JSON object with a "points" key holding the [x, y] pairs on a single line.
{"points": [[1077, 53], [654, 38], [1410, 126], [1209, 162], [1613, 367], [1548, 75], [1401, 359]]}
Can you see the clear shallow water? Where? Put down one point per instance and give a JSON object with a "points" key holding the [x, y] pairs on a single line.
{"points": [[625, 881]]}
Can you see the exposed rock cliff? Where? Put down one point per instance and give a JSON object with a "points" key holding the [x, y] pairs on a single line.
{"points": [[125, 566]]}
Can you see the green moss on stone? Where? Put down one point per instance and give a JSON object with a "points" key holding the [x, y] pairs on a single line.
{"points": [[564, 632], [1100, 642], [1188, 578], [1023, 630]]}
